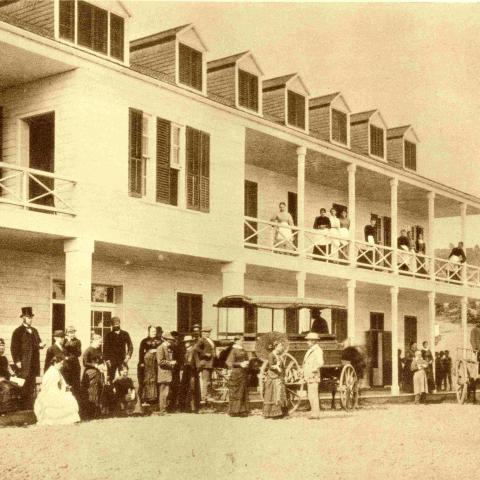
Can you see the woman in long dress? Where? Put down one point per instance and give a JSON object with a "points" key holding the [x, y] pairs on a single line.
{"points": [[283, 231], [147, 362], [344, 233], [335, 233], [238, 362], [275, 395], [407, 371], [9, 391], [420, 382], [55, 404]]}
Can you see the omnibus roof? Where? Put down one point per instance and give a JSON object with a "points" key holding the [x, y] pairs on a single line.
{"points": [[241, 301]]}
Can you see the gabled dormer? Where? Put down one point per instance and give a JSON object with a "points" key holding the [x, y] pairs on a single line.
{"points": [[97, 26], [368, 132], [402, 147], [286, 99], [330, 119], [238, 80], [179, 53]]}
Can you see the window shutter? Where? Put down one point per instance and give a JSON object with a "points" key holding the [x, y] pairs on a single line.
{"points": [[117, 36], [84, 24], [190, 67], [339, 126], [376, 141], [92, 27], [100, 30], [248, 90], [410, 155], [1, 139], [205, 172], [135, 152], [163, 160], [67, 19], [196, 69], [184, 64], [296, 109]]}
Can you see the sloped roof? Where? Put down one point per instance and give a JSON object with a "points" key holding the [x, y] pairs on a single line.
{"points": [[362, 116], [156, 37], [219, 62], [323, 100], [401, 131], [278, 81]]}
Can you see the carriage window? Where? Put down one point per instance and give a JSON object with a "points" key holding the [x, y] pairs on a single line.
{"points": [[291, 320], [278, 321], [264, 320]]}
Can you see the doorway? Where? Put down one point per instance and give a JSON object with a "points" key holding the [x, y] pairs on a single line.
{"points": [[410, 331]]}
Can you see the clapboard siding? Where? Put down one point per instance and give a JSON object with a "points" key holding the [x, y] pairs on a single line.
{"points": [[320, 122], [359, 138], [395, 151], [157, 57], [222, 83], [39, 13], [274, 103]]}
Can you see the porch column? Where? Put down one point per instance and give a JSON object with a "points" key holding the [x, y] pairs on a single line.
{"points": [[430, 248], [352, 211], [464, 313], [78, 286], [303, 317], [431, 321], [351, 285], [463, 237], [301, 153], [394, 224], [394, 315], [233, 278]]}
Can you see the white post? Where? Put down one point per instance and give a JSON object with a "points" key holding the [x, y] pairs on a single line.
{"points": [[431, 324], [352, 211], [464, 313], [394, 315], [301, 153], [351, 285], [463, 237], [394, 222], [303, 317], [78, 286], [430, 249]]}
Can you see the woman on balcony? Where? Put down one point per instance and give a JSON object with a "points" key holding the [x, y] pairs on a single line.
{"points": [[344, 233], [335, 233], [283, 239], [322, 242]]}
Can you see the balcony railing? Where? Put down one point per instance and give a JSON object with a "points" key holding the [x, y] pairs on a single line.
{"points": [[321, 245], [36, 190]]}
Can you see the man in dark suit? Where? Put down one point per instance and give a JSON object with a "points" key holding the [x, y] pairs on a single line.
{"points": [[25, 349], [322, 222], [56, 350], [205, 355], [118, 348]]}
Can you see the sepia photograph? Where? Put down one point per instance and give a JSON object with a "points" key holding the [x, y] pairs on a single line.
{"points": [[239, 240]]}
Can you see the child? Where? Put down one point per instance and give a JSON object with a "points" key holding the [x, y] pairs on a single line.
{"points": [[125, 395]]}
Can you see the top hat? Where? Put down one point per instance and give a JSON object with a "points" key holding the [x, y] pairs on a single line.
{"points": [[174, 334], [188, 338], [58, 334], [27, 312], [312, 336], [206, 329]]}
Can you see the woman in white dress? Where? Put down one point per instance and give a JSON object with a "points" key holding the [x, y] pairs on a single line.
{"points": [[283, 230], [55, 404], [335, 233]]}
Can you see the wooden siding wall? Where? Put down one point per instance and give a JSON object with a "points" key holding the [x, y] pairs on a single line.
{"points": [[395, 151], [359, 138], [37, 13], [222, 83], [160, 58], [320, 122], [274, 103]]}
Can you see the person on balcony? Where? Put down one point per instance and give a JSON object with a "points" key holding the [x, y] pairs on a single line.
{"points": [[344, 233], [403, 246], [283, 238], [421, 249], [322, 242], [370, 232], [335, 233], [456, 258]]}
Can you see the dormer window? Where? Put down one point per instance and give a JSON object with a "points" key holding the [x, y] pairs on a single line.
{"points": [[410, 155], [377, 147], [248, 90], [92, 27], [339, 127], [190, 67], [296, 109]]}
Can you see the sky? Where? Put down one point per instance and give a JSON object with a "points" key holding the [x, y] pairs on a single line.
{"points": [[419, 64]]}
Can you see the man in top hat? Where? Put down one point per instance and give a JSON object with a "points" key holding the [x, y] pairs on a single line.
{"points": [[205, 355], [25, 347], [312, 363], [56, 350], [118, 348], [71, 366], [196, 332], [166, 364], [190, 389]]}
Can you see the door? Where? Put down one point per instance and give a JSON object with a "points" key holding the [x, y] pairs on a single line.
{"points": [[410, 331], [293, 211], [387, 358], [58, 317], [387, 231], [41, 154], [251, 210], [189, 311]]}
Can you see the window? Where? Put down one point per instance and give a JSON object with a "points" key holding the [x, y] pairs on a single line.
{"points": [[117, 35], [376, 141], [175, 147], [376, 321], [198, 170], [296, 109], [248, 90], [167, 177], [339, 126], [339, 324], [410, 155], [137, 155], [189, 311], [291, 321], [190, 67], [250, 319], [67, 20], [92, 25]]}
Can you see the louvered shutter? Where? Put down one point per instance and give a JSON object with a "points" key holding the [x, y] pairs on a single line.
{"points": [[117, 36], [84, 24], [205, 172], [248, 90], [67, 19], [163, 160], [100, 30], [135, 152], [190, 67], [184, 64], [291, 108], [296, 109], [193, 173], [1, 137], [197, 71], [183, 313]]}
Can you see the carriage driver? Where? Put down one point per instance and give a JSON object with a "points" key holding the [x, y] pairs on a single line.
{"points": [[312, 363]]}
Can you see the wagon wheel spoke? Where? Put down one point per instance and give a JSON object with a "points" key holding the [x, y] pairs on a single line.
{"points": [[348, 388]]}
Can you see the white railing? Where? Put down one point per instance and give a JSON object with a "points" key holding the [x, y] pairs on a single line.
{"points": [[473, 275], [373, 256], [321, 245], [414, 264], [35, 189], [447, 271]]}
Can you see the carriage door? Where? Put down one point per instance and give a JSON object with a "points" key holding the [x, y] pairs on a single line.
{"points": [[251, 210], [410, 331]]}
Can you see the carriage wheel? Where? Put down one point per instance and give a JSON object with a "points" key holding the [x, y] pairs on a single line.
{"points": [[462, 381], [348, 388]]}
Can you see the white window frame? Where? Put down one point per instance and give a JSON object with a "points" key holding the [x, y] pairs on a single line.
{"points": [[175, 146]]}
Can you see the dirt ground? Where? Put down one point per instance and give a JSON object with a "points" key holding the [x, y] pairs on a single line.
{"points": [[381, 442]]}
